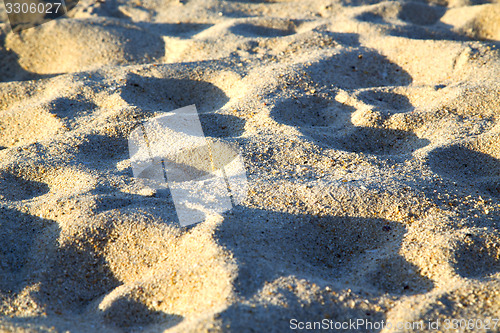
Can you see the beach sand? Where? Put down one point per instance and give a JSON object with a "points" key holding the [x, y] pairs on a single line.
{"points": [[370, 133]]}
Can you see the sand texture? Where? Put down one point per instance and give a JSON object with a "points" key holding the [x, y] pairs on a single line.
{"points": [[370, 133]]}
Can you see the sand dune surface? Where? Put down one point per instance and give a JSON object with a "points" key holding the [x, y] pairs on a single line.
{"points": [[370, 135]]}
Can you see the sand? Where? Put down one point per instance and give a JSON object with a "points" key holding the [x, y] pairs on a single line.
{"points": [[370, 133]]}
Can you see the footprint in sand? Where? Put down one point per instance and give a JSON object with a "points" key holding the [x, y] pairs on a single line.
{"points": [[477, 255], [330, 123], [475, 164], [173, 93], [256, 30], [18, 235], [16, 188]]}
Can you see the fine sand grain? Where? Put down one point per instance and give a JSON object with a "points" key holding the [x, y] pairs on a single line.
{"points": [[370, 133]]}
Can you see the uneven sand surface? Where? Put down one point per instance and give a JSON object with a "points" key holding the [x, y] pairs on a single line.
{"points": [[370, 133]]}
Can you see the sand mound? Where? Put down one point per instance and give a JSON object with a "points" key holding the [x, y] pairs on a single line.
{"points": [[76, 45], [479, 22]]}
